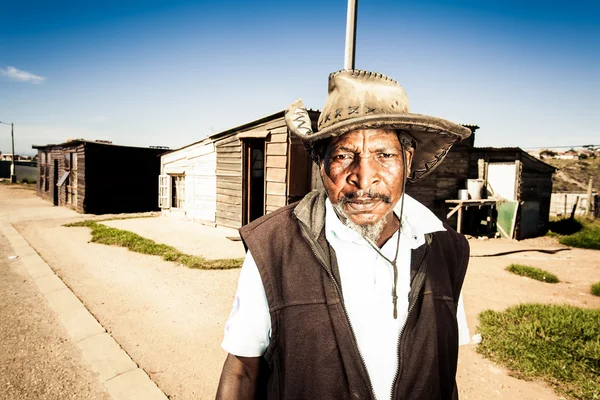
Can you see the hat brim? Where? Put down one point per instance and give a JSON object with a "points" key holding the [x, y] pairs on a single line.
{"points": [[433, 136]]}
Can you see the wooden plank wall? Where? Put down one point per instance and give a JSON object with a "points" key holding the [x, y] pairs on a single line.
{"points": [[229, 181], [276, 166], [58, 153], [230, 171], [230, 189], [80, 179]]}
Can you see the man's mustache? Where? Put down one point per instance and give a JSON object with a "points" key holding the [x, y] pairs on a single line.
{"points": [[369, 194]]}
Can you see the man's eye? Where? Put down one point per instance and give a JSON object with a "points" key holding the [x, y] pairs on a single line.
{"points": [[386, 155], [341, 157]]}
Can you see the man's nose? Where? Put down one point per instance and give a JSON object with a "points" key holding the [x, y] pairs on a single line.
{"points": [[364, 172]]}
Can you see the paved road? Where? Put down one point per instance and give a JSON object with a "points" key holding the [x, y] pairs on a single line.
{"points": [[37, 358]]}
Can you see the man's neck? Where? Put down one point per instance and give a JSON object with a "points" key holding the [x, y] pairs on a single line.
{"points": [[388, 231]]}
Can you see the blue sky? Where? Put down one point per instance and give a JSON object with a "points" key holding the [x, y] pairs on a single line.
{"points": [[172, 72]]}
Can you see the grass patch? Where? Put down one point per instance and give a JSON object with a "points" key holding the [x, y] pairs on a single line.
{"points": [[533, 273], [558, 344], [116, 237], [596, 289], [582, 233]]}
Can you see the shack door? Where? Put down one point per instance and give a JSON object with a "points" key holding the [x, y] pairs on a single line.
{"points": [[253, 202], [300, 173], [55, 187]]}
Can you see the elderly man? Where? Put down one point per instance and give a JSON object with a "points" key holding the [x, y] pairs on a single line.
{"points": [[354, 292]]}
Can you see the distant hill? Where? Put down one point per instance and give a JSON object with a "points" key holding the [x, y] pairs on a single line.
{"points": [[573, 175]]}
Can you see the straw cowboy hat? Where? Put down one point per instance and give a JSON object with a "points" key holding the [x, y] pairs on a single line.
{"points": [[361, 100]]}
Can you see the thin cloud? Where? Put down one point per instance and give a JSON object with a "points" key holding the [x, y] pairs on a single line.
{"points": [[99, 118], [21, 76]]}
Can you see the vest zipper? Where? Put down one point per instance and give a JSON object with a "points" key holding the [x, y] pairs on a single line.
{"points": [[410, 308], [339, 291]]}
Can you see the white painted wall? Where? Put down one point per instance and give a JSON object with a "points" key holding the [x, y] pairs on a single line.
{"points": [[199, 164]]}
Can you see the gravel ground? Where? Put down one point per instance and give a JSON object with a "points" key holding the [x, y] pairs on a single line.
{"points": [[37, 358], [170, 318]]}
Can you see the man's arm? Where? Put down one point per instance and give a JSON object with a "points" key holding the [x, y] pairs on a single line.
{"points": [[238, 378]]}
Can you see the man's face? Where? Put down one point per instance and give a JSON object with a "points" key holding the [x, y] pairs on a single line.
{"points": [[362, 173]]}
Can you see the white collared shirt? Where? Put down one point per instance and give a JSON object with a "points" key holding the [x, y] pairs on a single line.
{"points": [[366, 280]]}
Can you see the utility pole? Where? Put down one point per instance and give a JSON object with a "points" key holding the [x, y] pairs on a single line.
{"points": [[349, 55], [13, 173], [588, 206], [13, 176]]}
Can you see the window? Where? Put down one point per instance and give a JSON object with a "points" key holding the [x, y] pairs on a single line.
{"points": [[164, 184], [177, 191]]}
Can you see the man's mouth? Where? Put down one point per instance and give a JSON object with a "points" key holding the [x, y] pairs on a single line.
{"points": [[361, 202], [360, 205]]}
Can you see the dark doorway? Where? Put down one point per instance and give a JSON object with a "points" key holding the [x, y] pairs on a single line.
{"points": [[55, 183], [254, 180]]}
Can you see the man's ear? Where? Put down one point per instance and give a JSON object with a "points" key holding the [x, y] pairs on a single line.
{"points": [[409, 153]]}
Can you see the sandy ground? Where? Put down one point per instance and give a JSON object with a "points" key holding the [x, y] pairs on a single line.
{"points": [[170, 319], [187, 236]]}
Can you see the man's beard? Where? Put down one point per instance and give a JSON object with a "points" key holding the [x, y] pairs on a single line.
{"points": [[369, 231]]}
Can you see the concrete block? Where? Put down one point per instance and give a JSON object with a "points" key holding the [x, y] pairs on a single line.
{"points": [[80, 323], [63, 301], [12, 234], [106, 356], [134, 385], [37, 270], [49, 283], [33, 258], [23, 249]]}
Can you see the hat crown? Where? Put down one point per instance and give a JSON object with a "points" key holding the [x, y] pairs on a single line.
{"points": [[357, 93]]}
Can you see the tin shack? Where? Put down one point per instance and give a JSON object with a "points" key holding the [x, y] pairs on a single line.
{"points": [[97, 177]]}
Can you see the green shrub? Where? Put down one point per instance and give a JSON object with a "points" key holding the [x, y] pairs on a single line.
{"points": [[558, 344], [588, 238], [533, 273], [596, 289], [582, 233]]}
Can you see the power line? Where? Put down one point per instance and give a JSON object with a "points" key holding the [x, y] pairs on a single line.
{"points": [[560, 147]]}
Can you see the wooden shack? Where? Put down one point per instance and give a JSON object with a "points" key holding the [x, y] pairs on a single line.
{"points": [[235, 176], [98, 177], [514, 175], [447, 179]]}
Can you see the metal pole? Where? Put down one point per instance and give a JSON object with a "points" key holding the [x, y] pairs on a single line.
{"points": [[13, 175], [349, 55]]}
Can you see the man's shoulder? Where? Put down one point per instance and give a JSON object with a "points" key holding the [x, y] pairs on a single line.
{"points": [[450, 234], [309, 210]]}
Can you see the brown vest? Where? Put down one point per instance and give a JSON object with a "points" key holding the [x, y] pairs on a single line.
{"points": [[313, 352]]}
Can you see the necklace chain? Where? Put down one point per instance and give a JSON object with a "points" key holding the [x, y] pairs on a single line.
{"points": [[393, 263]]}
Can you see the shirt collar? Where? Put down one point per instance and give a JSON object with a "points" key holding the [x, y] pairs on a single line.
{"points": [[417, 220]]}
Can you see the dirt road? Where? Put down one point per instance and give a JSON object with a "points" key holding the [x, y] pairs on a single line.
{"points": [[170, 319], [37, 358]]}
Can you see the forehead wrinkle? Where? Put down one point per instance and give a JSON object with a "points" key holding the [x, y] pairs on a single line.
{"points": [[370, 138]]}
